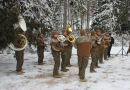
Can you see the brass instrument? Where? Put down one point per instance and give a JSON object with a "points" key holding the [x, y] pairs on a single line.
{"points": [[70, 38], [23, 39], [61, 38]]}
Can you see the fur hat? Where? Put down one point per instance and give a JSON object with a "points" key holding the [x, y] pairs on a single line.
{"points": [[98, 31], [63, 31], [93, 33], [54, 33], [82, 32], [106, 33]]}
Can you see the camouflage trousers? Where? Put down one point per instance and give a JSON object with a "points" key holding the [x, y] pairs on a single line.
{"points": [[82, 63], [20, 60], [56, 57], [69, 56], [64, 56], [101, 52], [40, 53], [94, 59], [97, 57], [105, 53]]}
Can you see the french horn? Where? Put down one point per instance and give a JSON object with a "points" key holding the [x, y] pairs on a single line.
{"points": [[22, 38], [61, 38]]}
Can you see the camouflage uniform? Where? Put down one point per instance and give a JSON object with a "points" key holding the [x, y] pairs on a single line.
{"points": [[65, 54], [83, 45], [107, 43], [82, 63], [40, 50], [40, 53], [56, 57], [94, 60], [94, 51], [20, 60], [69, 56], [65, 58], [97, 57], [55, 49], [101, 55], [105, 52]]}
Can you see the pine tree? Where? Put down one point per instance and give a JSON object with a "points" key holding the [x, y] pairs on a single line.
{"points": [[103, 16]]}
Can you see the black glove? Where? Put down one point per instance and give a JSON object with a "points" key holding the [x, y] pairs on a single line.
{"points": [[96, 42]]}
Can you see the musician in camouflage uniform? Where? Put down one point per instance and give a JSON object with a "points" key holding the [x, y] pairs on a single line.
{"points": [[93, 51], [56, 49], [70, 51], [83, 45], [107, 43], [102, 47], [65, 54], [19, 56], [40, 48], [98, 52]]}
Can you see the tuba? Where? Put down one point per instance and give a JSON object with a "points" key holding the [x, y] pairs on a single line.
{"points": [[23, 39], [70, 38]]}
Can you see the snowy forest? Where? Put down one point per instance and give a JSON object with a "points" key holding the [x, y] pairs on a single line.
{"points": [[46, 16]]}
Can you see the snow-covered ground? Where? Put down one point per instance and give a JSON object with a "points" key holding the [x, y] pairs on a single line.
{"points": [[114, 74]]}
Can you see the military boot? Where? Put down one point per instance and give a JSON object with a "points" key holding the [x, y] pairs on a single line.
{"points": [[21, 72], [64, 70], [106, 59], [95, 66], [56, 76], [101, 62], [93, 71], [98, 66], [41, 63], [83, 80], [69, 65]]}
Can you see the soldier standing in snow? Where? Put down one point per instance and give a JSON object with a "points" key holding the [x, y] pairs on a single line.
{"points": [[40, 49], [83, 45], [65, 53], [107, 43], [19, 56], [70, 51], [98, 52], [93, 50], [55, 49], [102, 47]]}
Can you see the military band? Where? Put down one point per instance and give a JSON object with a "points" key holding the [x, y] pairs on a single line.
{"points": [[94, 45]]}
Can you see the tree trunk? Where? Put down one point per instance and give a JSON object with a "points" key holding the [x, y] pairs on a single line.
{"points": [[65, 14]]}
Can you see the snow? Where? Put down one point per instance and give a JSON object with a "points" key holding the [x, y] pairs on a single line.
{"points": [[114, 74]]}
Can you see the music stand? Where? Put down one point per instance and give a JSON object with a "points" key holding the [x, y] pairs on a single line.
{"points": [[123, 28]]}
